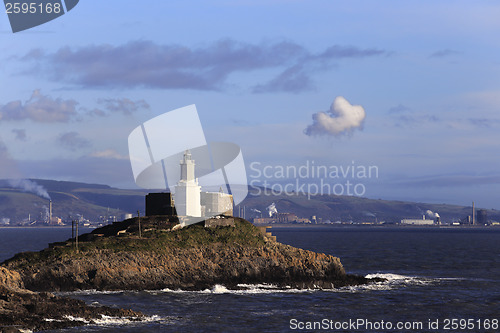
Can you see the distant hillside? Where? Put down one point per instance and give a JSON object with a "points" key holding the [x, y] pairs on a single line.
{"points": [[350, 208], [95, 200], [68, 198]]}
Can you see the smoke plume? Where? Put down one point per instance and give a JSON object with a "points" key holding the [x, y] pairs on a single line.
{"points": [[29, 186], [431, 214], [271, 209], [342, 119], [45, 213]]}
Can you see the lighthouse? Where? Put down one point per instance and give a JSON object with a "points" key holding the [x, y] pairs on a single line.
{"points": [[187, 190]]}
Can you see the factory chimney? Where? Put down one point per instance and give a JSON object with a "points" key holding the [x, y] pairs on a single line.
{"points": [[473, 214], [50, 211]]}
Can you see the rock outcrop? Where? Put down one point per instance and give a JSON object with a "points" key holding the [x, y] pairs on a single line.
{"points": [[22, 310], [192, 258]]}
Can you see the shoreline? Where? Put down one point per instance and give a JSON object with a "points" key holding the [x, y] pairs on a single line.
{"points": [[293, 225], [42, 227], [394, 226], [115, 258]]}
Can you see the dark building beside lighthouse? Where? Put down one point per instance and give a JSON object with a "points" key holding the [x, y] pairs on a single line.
{"points": [[160, 204]]}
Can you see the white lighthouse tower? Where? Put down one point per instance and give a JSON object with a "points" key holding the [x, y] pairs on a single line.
{"points": [[187, 190]]}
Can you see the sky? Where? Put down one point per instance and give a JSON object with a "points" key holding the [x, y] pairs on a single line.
{"points": [[409, 87]]}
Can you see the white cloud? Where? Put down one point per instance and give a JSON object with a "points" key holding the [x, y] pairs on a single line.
{"points": [[109, 153], [342, 119]]}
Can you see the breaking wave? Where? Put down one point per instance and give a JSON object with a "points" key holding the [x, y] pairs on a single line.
{"points": [[392, 281], [109, 320], [89, 292], [242, 289]]}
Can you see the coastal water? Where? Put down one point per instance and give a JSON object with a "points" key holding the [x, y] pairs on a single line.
{"points": [[438, 280]]}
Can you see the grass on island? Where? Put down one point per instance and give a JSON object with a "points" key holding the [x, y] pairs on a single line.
{"points": [[156, 236]]}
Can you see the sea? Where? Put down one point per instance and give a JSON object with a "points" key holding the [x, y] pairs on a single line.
{"points": [[437, 280]]}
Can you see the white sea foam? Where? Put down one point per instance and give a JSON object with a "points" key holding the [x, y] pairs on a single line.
{"points": [[89, 292], [268, 289], [243, 289], [259, 286], [51, 319], [219, 289], [398, 279], [392, 281], [109, 320]]}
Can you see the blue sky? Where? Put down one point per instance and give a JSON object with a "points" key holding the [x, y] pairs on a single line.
{"points": [[426, 73]]}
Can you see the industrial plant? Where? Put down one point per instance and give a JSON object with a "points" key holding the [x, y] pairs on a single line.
{"points": [[422, 221], [275, 217]]}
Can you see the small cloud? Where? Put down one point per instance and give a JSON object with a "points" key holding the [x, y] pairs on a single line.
{"points": [[45, 109], [404, 116], [483, 122], [39, 108], [444, 53], [411, 120], [449, 180], [432, 118], [124, 105], [20, 134], [73, 141], [421, 119], [338, 52], [399, 109], [97, 112], [342, 119], [292, 80], [109, 153], [33, 54], [115, 105], [406, 120], [241, 122]]}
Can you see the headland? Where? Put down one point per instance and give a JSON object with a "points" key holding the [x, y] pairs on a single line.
{"points": [[152, 253]]}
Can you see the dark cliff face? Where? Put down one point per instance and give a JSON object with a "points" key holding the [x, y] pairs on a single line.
{"points": [[190, 258], [21, 309]]}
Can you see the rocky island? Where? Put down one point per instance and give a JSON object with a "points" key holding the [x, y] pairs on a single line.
{"points": [[155, 253]]}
